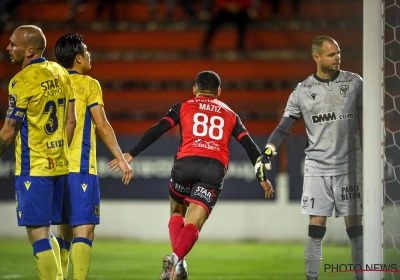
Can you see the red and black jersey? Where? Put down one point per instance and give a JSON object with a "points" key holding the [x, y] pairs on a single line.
{"points": [[206, 126]]}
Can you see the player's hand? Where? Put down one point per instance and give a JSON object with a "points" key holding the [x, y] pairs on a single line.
{"points": [[269, 190], [126, 171], [114, 165], [260, 170], [266, 156]]}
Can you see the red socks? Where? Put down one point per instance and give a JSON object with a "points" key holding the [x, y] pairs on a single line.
{"points": [[175, 226], [187, 238]]}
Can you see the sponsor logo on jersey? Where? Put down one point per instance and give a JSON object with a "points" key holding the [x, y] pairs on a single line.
{"points": [[206, 145], [350, 192], [12, 100], [50, 163], [313, 95], [330, 116], [55, 144], [309, 85], [13, 84], [27, 184], [84, 187], [205, 194], [10, 111], [180, 188], [344, 90], [304, 202], [51, 88]]}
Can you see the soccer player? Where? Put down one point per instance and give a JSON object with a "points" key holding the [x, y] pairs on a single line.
{"points": [[82, 193], [330, 101], [197, 176], [41, 119]]}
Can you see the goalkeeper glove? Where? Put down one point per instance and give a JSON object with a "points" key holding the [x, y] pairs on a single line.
{"points": [[260, 170], [266, 155]]}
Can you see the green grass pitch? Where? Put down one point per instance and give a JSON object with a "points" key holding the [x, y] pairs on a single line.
{"points": [[121, 259]]}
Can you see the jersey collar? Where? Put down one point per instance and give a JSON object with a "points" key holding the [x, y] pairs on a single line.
{"points": [[334, 77], [73, 72], [38, 60]]}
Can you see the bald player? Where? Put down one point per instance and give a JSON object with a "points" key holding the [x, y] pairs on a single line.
{"points": [[330, 102], [41, 120]]}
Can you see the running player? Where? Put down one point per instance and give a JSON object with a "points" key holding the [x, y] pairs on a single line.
{"points": [[82, 195], [40, 115], [197, 177], [330, 101]]}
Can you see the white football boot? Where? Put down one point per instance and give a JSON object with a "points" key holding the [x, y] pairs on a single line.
{"points": [[181, 272]]}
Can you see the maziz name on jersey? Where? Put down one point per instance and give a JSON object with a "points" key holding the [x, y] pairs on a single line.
{"points": [[331, 116], [211, 108]]}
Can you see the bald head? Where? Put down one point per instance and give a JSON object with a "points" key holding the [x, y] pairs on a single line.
{"points": [[317, 43], [33, 37]]}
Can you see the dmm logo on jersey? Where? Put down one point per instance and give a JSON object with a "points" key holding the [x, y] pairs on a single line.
{"points": [[330, 116], [205, 194]]}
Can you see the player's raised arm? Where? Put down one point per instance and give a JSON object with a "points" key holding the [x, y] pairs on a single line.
{"points": [[150, 136], [107, 134]]}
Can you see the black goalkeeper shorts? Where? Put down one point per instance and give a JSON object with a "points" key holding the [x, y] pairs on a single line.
{"points": [[197, 180]]}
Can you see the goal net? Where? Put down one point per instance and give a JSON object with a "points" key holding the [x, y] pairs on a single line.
{"points": [[392, 138]]}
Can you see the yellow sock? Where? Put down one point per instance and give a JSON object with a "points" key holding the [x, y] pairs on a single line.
{"points": [[64, 261], [80, 258], [56, 249], [46, 263]]}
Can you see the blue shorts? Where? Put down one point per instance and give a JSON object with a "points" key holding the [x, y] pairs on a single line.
{"points": [[82, 199], [39, 199]]}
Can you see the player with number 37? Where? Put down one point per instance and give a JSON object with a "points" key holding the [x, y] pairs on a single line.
{"points": [[197, 176]]}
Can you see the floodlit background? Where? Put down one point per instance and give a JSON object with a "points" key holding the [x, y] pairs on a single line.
{"points": [[146, 60]]}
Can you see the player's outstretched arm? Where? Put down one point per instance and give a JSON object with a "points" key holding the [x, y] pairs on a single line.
{"points": [[148, 138], [8, 133], [113, 165], [107, 134]]}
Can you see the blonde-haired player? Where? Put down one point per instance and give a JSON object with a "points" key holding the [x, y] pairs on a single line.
{"points": [[40, 115]]}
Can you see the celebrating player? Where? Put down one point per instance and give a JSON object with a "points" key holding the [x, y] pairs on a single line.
{"points": [[82, 195], [41, 119], [200, 166], [330, 101]]}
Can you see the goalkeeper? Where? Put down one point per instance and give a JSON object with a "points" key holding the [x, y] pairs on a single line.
{"points": [[330, 101]]}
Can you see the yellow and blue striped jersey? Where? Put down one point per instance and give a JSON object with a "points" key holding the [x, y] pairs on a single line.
{"points": [[82, 152], [39, 96]]}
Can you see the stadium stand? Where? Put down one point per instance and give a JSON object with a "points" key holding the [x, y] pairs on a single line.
{"points": [[145, 67]]}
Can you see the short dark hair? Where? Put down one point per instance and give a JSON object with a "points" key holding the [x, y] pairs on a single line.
{"points": [[319, 41], [208, 81], [67, 48]]}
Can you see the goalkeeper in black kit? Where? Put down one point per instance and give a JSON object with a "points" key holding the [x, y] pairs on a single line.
{"points": [[330, 101]]}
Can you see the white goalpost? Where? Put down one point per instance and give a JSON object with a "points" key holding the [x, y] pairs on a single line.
{"points": [[373, 138]]}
